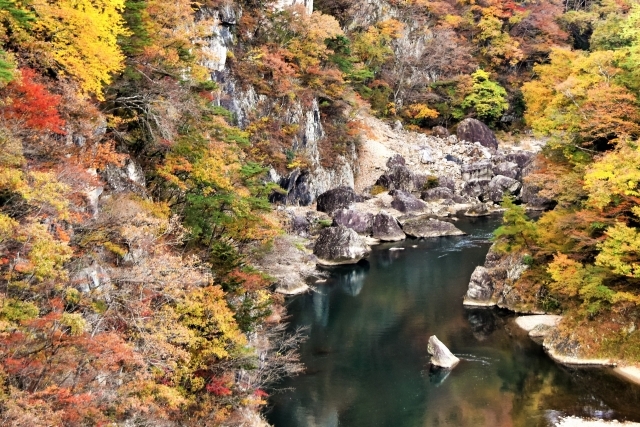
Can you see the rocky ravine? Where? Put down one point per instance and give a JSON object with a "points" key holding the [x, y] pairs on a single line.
{"points": [[409, 185]]}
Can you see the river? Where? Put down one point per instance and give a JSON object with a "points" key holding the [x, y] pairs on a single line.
{"points": [[367, 362]]}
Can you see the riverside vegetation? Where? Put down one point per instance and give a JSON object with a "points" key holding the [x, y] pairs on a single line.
{"points": [[132, 202]]}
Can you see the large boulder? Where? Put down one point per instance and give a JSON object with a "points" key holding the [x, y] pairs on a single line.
{"points": [[360, 222], [476, 189], [337, 198], [386, 228], [480, 290], [340, 245], [501, 185], [438, 193], [478, 170], [521, 158], [428, 227], [406, 202], [440, 131], [509, 169], [478, 209], [473, 130], [440, 354], [399, 177], [447, 181], [396, 160]]}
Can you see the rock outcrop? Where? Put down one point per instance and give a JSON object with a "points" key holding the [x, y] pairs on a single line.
{"points": [[337, 198], [360, 222], [398, 177], [340, 245], [423, 227], [501, 185], [473, 130], [386, 228], [437, 193], [440, 354], [406, 202]]}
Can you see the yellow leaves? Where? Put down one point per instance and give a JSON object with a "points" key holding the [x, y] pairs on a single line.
{"points": [[619, 251], [567, 275], [75, 322], [617, 173], [420, 111], [46, 255], [81, 36]]}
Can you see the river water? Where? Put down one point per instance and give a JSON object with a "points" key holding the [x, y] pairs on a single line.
{"points": [[367, 362]]}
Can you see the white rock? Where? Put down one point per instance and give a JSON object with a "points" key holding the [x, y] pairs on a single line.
{"points": [[440, 354]]}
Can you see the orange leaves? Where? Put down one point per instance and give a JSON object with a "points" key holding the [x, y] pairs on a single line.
{"points": [[29, 104]]}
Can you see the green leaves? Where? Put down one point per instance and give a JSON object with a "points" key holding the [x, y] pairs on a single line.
{"points": [[487, 98]]}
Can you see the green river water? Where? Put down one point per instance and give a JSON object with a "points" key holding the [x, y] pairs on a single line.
{"points": [[367, 362]]}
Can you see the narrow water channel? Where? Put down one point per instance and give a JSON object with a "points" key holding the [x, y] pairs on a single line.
{"points": [[367, 362]]}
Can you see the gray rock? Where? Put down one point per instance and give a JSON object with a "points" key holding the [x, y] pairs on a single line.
{"points": [[360, 222], [126, 179], [448, 182], [440, 354], [386, 228], [426, 156], [297, 188], [396, 160], [300, 225], [473, 130], [438, 193], [530, 193], [398, 177], [476, 189], [453, 159], [406, 202], [521, 158], [478, 170], [501, 185], [509, 169], [479, 209], [340, 245], [440, 131], [480, 289], [337, 198], [423, 227]]}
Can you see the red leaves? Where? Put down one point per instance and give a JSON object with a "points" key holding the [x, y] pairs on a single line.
{"points": [[30, 105], [217, 387]]}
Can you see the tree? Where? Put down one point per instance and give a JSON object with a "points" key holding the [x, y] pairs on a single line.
{"points": [[488, 100]]}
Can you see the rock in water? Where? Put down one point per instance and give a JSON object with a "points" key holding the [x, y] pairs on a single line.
{"points": [[473, 130], [337, 198], [480, 290], [386, 228], [361, 222], [340, 245], [406, 202], [440, 354], [427, 227]]}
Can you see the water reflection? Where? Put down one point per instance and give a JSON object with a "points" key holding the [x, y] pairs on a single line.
{"points": [[367, 361]]}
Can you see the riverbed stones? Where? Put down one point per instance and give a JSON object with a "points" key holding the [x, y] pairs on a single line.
{"points": [[337, 198], [423, 227], [386, 228], [473, 130], [441, 356], [501, 185], [360, 222], [340, 245], [406, 202], [480, 291]]}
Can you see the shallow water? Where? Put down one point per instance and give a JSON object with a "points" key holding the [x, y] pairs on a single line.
{"points": [[367, 362]]}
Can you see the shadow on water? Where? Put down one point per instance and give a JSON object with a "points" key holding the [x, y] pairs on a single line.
{"points": [[367, 362]]}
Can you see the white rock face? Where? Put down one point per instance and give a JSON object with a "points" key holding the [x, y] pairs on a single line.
{"points": [[281, 4], [440, 354]]}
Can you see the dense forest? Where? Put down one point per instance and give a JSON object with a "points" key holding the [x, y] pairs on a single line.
{"points": [[131, 199]]}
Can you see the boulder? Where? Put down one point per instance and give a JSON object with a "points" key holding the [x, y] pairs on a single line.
{"points": [[473, 130], [426, 156], [300, 225], [478, 170], [509, 169], [340, 245], [521, 158], [453, 159], [476, 189], [448, 182], [360, 222], [398, 177], [480, 290], [438, 193], [396, 160], [479, 209], [440, 354], [424, 226], [406, 202], [440, 131], [386, 228], [337, 198], [501, 185]]}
